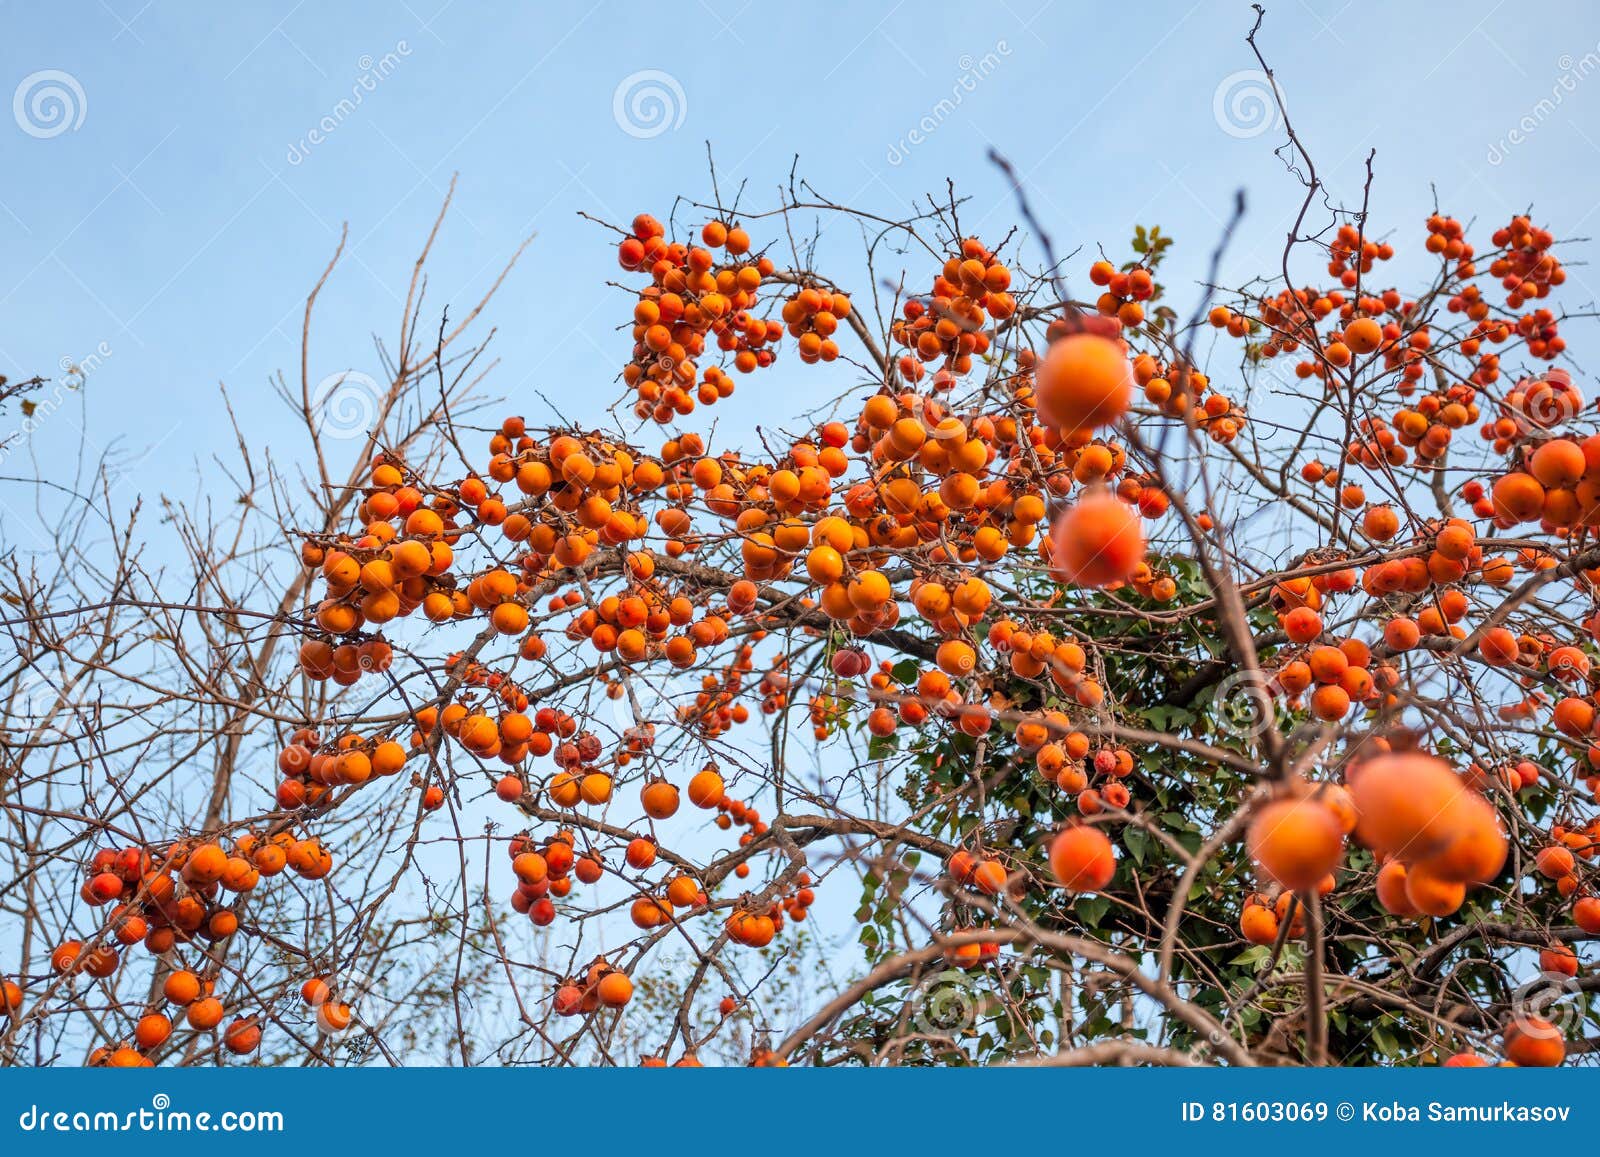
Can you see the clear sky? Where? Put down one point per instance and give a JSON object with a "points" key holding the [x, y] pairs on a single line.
{"points": [[164, 220]]}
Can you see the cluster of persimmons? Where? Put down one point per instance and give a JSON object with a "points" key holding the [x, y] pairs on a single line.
{"points": [[987, 481]]}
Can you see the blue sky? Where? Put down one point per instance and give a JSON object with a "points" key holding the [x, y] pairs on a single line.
{"points": [[170, 225]]}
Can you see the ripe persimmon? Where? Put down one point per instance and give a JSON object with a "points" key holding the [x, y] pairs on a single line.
{"points": [[990, 876], [1533, 1042], [205, 1013], [242, 1036], [1097, 543], [660, 799], [1363, 336], [1296, 841], [1391, 889], [1083, 382], [1082, 859], [152, 1030], [705, 788], [1406, 803], [1258, 924], [1586, 914]]}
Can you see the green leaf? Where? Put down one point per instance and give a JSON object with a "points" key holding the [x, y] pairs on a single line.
{"points": [[1091, 909], [1385, 1041], [1136, 840]]}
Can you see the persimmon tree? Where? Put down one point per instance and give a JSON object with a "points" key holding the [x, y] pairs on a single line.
{"points": [[1133, 685]]}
